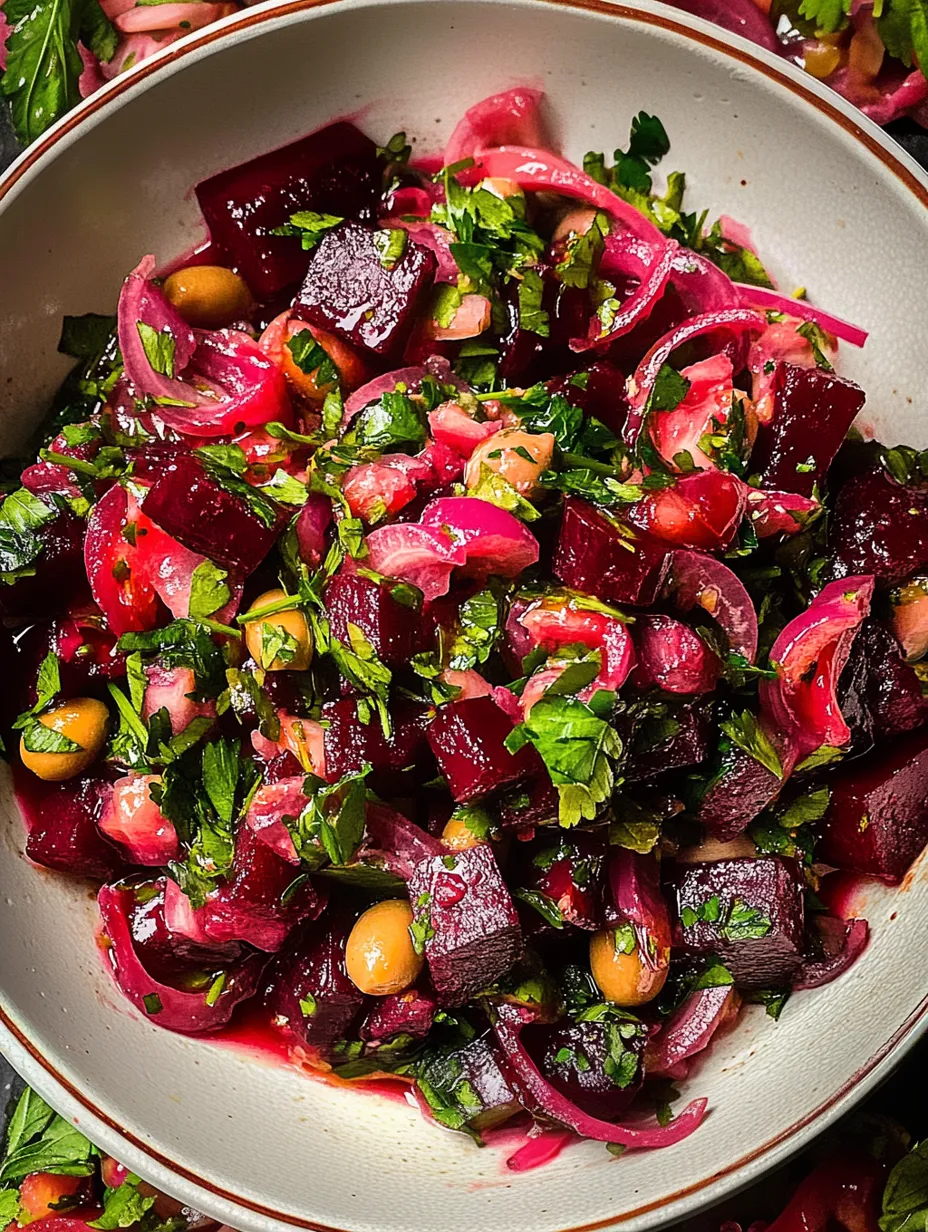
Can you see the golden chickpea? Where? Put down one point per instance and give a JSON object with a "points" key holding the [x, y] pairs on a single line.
{"points": [[519, 456], [624, 978], [281, 642], [380, 956], [458, 836], [208, 296], [82, 720]]}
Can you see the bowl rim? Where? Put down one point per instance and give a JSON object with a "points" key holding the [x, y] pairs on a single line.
{"points": [[15, 1044]]}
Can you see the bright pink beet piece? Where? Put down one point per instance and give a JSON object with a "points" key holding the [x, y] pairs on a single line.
{"points": [[309, 995], [269, 806], [494, 540], [168, 567], [672, 656], [451, 426], [118, 580], [167, 935], [333, 171], [192, 506], [399, 764], [170, 689], [592, 556], [573, 1057], [467, 739], [350, 291], [421, 555], [176, 1009], [759, 930], [132, 820], [700, 510], [877, 819], [779, 513], [551, 625], [812, 411], [61, 819], [475, 934], [396, 630], [878, 527], [741, 790], [249, 907], [402, 1013]]}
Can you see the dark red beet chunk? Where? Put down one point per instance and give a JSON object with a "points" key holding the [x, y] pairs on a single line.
{"points": [[687, 743], [350, 291], [164, 952], [192, 506], [476, 1079], [881, 694], [749, 912], [399, 764], [334, 171], [395, 630], [573, 1058], [604, 394], [403, 1013], [877, 819], [248, 907], [62, 822], [812, 412], [530, 804], [310, 994], [878, 527], [59, 576], [567, 869], [741, 790], [608, 559], [467, 738], [462, 900]]}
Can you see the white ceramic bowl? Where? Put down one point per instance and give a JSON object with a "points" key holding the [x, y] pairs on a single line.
{"points": [[833, 204]]}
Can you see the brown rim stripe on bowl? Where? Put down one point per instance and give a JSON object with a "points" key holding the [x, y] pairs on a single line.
{"points": [[249, 19]]}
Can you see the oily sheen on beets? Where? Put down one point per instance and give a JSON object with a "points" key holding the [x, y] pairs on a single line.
{"points": [[473, 650]]}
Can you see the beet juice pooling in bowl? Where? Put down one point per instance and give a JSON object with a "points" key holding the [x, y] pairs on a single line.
{"points": [[456, 616]]}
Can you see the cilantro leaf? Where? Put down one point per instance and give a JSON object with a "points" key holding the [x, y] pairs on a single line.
{"points": [[810, 807], [21, 515], [582, 255]]}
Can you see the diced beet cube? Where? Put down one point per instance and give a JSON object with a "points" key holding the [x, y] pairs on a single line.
{"points": [[395, 630], [601, 393], [399, 764], [253, 905], [61, 819], [749, 912], [608, 558], [473, 1080], [736, 795], [334, 171], [163, 951], [403, 1013], [467, 738], [880, 694], [464, 910], [683, 737], [59, 577], [878, 527], [196, 509], [309, 994], [877, 819], [529, 804], [573, 1057], [350, 290], [566, 870], [812, 411]]}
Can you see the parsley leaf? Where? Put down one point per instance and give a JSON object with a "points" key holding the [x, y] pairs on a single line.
{"points": [[208, 590], [309, 226], [312, 359], [479, 631], [745, 731], [21, 515], [38, 1140], [493, 487], [578, 747], [392, 421], [828, 15], [532, 316], [159, 347], [668, 391], [546, 907], [905, 1198], [123, 1206]]}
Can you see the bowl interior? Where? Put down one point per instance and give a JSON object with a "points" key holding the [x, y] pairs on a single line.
{"points": [[828, 211]]}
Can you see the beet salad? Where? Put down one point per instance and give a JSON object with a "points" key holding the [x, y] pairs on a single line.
{"points": [[453, 613]]}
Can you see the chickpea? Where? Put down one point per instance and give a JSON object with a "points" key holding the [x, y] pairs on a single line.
{"points": [[504, 452], [208, 296], [380, 956], [625, 978], [83, 720], [261, 636], [458, 836]]}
